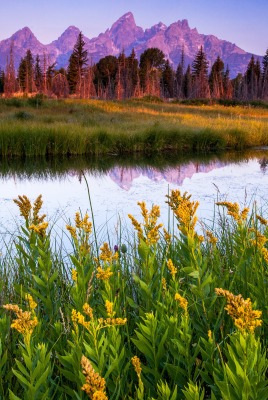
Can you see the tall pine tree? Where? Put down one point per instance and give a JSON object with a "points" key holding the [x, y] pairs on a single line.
{"points": [[200, 75], [77, 65]]}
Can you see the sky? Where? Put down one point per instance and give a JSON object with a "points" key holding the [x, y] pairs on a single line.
{"points": [[243, 22]]}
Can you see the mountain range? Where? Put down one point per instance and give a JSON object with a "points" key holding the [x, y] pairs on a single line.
{"points": [[125, 35]]}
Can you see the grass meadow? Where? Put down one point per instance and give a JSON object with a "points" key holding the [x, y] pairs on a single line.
{"points": [[170, 314], [43, 127]]}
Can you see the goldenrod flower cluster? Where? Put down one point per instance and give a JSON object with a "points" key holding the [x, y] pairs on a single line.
{"points": [[265, 254], [24, 205], [79, 318], [109, 308], [40, 229], [167, 236], [74, 274], [259, 240], [149, 229], [88, 310], [104, 274], [95, 386], [172, 269], [72, 231], [26, 320], [107, 256], [80, 233], [211, 238], [111, 321], [184, 210], [31, 302], [233, 210], [29, 212], [262, 220], [36, 208], [164, 284], [240, 310], [84, 223], [182, 301], [137, 365]]}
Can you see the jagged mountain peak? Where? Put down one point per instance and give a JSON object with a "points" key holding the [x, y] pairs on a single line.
{"points": [[23, 34], [125, 31], [67, 39], [125, 35]]}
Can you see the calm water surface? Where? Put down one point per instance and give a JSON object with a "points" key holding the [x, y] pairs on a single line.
{"points": [[115, 189]]}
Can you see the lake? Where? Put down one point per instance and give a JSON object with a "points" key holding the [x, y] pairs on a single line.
{"points": [[116, 186]]}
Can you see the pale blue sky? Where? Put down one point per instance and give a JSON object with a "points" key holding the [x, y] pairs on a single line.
{"points": [[243, 22]]}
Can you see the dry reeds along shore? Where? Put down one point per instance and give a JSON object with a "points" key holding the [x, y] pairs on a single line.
{"points": [[170, 314], [42, 127]]}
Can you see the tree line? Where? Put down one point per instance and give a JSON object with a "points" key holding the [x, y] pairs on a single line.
{"points": [[124, 77]]}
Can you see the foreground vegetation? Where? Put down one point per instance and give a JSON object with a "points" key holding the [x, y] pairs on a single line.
{"points": [[170, 315], [38, 127]]}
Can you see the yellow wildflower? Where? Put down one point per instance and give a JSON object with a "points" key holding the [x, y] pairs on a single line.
{"points": [[211, 238], [36, 208], [167, 236], [99, 396], [72, 231], [164, 284], [26, 320], [233, 210], [182, 301], [200, 238], [112, 321], [109, 308], [74, 274], [32, 303], [77, 317], [24, 205], [148, 230], [40, 229], [95, 384], [137, 365], [259, 240], [88, 310], [209, 334], [262, 220], [172, 269], [184, 210], [265, 254], [106, 254], [104, 274], [240, 311]]}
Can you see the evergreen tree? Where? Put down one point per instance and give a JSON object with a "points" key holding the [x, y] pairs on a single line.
{"points": [[251, 79], [10, 76], [216, 79], [77, 63], [187, 83], [26, 73], [168, 81], [179, 77], [38, 74], [2, 81], [227, 85], [200, 75], [49, 75], [264, 93], [133, 75]]}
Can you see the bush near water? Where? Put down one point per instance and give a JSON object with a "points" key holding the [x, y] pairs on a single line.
{"points": [[171, 314]]}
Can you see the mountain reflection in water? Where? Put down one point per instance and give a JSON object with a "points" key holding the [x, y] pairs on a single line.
{"points": [[116, 185]]}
